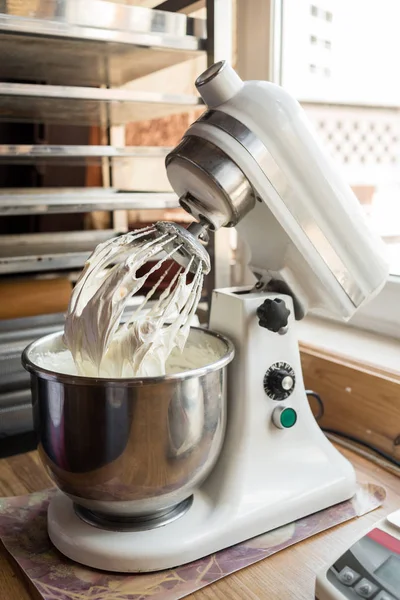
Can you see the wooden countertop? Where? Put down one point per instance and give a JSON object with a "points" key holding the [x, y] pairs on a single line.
{"points": [[288, 575]]}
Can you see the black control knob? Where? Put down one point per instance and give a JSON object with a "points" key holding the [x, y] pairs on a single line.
{"points": [[279, 381], [273, 314]]}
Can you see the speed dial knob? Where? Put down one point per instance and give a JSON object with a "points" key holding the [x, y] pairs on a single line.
{"points": [[279, 381]]}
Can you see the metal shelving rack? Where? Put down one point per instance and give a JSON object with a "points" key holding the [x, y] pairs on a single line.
{"points": [[69, 62], [35, 103], [80, 200], [144, 164], [115, 43], [74, 59]]}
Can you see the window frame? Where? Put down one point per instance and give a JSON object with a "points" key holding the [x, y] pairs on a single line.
{"points": [[380, 315], [258, 55]]}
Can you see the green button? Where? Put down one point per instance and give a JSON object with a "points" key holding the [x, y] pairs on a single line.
{"points": [[288, 417]]}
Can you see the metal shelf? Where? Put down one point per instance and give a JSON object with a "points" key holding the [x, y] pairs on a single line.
{"points": [[115, 43], [80, 155], [49, 251], [61, 200], [135, 168], [87, 106], [67, 155]]}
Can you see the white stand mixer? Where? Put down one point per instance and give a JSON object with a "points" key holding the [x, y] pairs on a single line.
{"points": [[251, 162]]}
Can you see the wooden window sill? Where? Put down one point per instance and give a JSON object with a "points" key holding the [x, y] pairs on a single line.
{"points": [[357, 375]]}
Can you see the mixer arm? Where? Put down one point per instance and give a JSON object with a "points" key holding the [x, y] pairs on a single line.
{"points": [[251, 161]]}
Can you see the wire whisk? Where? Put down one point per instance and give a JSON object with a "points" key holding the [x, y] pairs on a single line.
{"points": [[103, 347]]}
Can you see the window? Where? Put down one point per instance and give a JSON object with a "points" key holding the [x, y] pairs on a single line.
{"points": [[339, 59], [355, 102]]}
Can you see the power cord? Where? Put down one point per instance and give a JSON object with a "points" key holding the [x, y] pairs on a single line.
{"points": [[348, 436], [318, 398]]}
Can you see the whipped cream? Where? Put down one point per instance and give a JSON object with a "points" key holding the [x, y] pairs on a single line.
{"points": [[198, 353], [100, 346]]}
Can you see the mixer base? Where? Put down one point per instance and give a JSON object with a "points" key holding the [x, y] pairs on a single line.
{"points": [[212, 523]]}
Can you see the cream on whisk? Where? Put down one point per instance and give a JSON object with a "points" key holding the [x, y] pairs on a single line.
{"points": [[103, 347]]}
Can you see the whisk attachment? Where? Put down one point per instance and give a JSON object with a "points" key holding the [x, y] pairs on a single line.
{"points": [[116, 271], [186, 244]]}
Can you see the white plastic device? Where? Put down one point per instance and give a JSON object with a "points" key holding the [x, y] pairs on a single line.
{"points": [[369, 568], [252, 162]]}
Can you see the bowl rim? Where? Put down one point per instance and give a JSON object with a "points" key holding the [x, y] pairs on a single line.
{"points": [[43, 373]]}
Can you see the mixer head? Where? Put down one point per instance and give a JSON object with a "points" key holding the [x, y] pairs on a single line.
{"points": [[252, 161], [210, 184]]}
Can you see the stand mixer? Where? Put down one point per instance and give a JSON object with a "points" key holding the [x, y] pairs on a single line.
{"points": [[250, 162]]}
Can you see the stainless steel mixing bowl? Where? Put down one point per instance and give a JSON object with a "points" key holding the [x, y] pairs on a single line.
{"points": [[130, 447]]}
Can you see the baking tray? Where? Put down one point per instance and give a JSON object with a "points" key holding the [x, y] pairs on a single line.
{"points": [[76, 155], [63, 200], [135, 168], [48, 251], [27, 102], [16, 414], [15, 335], [93, 42], [15, 393]]}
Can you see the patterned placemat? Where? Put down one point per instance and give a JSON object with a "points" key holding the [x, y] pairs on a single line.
{"points": [[23, 531]]}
